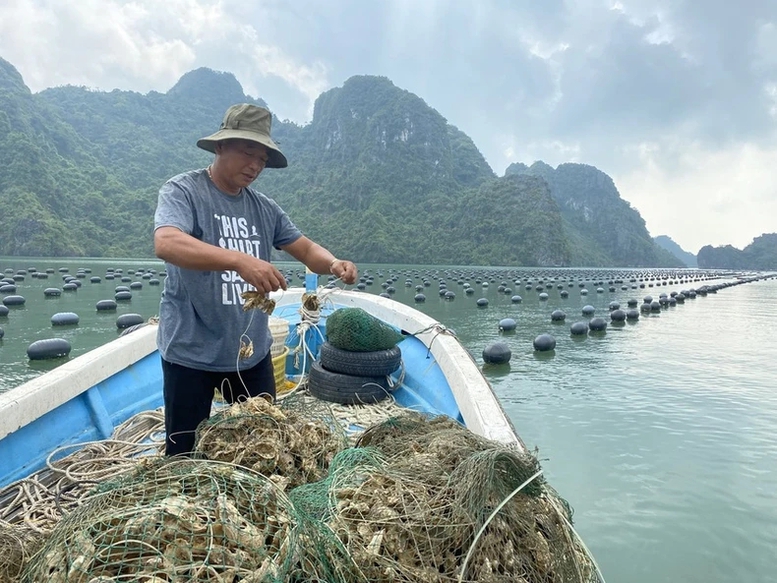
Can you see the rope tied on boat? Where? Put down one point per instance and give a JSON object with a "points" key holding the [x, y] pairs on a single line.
{"points": [[438, 329]]}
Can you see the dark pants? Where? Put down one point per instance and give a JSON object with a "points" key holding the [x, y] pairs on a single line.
{"points": [[189, 393]]}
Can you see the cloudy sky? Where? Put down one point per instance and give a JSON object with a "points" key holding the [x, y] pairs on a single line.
{"points": [[675, 99]]}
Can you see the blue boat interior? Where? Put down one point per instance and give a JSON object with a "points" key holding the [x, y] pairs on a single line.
{"points": [[95, 413], [90, 416]]}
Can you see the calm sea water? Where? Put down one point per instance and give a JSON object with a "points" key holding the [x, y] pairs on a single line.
{"points": [[661, 433]]}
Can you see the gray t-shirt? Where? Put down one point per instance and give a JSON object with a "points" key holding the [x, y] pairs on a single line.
{"points": [[202, 320]]}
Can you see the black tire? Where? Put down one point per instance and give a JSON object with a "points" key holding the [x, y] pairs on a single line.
{"points": [[376, 363], [346, 389]]}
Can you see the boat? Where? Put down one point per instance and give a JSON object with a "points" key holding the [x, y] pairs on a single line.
{"points": [[93, 397]]}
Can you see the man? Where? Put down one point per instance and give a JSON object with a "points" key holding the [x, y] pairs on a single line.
{"points": [[215, 234]]}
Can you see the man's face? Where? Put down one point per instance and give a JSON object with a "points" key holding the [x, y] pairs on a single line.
{"points": [[241, 161]]}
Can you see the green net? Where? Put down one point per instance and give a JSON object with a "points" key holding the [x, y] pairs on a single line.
{"points": [[173, 520], [358, 331], [416, 500], [408, 506]]}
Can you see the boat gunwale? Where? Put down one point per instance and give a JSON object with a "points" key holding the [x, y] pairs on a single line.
{"points": [[29, 401]]}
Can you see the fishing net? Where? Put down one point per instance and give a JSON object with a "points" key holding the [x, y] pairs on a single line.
{"points": [[290, 445], [416, 505], [358, 331], [414, 500], [173, 520], [17, 544]]}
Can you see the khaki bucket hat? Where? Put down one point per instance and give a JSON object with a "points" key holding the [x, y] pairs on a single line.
{"points": [[247, 122]]}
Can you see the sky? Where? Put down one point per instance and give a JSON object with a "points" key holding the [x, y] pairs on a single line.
{"points": [[675, 99]]}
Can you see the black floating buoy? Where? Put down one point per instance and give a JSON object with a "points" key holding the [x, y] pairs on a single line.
{"points": [[564, 293], [655, 306], [497, 353], [544, 343], [557, 316], [48, 348], [4, 311], [597, 325], [632, 303], [482, 302], [618, 315], [588, 310], [123, 296], [106, 305], [507, 324], [7, 288], [419, 298], [52, 292], [543, 296], [64, 319], [632, 314], [516, 299], [614, 306], [70, 286], [127, 320], [14, 300], [95, 279], [579, 328]]}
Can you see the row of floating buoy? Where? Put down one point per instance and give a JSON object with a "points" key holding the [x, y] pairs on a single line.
{"points": [[82, 272], [499, 352], [101, 305], [545, 280], [53, 348]]}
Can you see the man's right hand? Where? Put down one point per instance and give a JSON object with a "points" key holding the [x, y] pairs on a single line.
{"points": [[264, 276]]}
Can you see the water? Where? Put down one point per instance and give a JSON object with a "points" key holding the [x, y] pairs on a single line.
{"points": [[661, 434]]}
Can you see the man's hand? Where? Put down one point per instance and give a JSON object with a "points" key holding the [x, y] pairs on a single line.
{"points": [[345, 270], [264, 276]]}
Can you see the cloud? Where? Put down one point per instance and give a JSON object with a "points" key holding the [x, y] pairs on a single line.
{"points": [[144, 45], [93, 43], [711, 196]]}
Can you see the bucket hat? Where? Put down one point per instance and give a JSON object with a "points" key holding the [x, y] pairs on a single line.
{"points": [[247, 122]]}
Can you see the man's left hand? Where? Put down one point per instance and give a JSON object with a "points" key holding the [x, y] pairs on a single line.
{"points": [[345, 270]]}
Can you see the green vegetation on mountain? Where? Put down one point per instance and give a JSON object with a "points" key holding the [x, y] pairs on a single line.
{"points": [[377, 176], [760, 255], [606, 229]]}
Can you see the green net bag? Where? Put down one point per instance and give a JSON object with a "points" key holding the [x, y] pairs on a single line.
{"points": [[174, 520], [355, 330]]}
